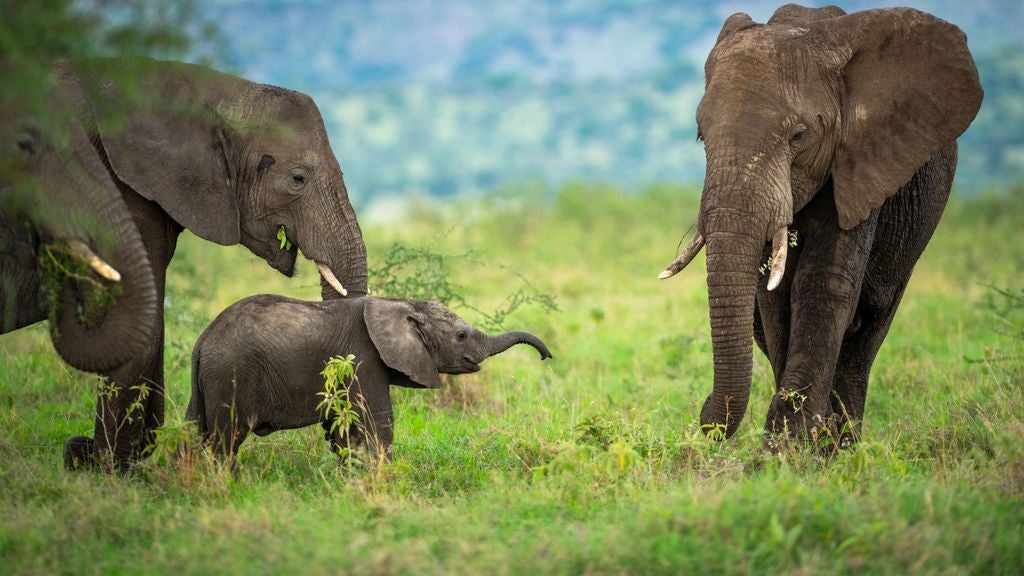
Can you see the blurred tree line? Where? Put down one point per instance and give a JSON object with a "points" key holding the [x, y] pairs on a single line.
{"points": [[42, 30], [992, 150], [34, 33], [449, 137]]}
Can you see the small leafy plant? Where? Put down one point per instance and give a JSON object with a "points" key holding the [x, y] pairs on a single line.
{"points": [[714, 431], [107, 393], [794, 397], [336, 404]]}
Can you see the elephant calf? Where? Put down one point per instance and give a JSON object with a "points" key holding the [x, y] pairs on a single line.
{"points": [[257, 367]]}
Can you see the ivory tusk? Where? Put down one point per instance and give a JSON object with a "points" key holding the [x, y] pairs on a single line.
{"points": [[81, 250], [325, 271], [691, 250], [779, 249]]}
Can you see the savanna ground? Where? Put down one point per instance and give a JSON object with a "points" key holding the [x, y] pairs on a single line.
{"points": [[590, 463]]}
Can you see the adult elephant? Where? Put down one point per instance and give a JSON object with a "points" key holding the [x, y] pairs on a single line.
{"points": [[841, 130], [231, 160], [69, 249]]}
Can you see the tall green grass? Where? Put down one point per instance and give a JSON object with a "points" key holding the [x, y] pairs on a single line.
{"points": [[589, 463]]}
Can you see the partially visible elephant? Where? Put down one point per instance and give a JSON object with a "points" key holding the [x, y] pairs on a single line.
{"points": [[69, 249], [269, 379], [231, 160], [834, 133]]}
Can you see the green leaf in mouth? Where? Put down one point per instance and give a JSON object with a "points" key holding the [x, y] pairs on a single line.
{"points": [[286, 244]]}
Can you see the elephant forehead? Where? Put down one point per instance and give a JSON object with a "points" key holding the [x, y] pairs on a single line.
{"points": [[442, 314], [767, 49], [311, 155], [278, 134]]}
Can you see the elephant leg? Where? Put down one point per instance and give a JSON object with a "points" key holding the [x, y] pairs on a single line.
{"points": [[905, 225], [860, 347], [772, 317], [130, 404], [226, 441], [344, 440], [376, 420], [823, 298], [228, 422]]}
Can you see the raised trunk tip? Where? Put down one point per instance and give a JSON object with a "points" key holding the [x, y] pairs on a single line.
{"points": [[502, 342]]}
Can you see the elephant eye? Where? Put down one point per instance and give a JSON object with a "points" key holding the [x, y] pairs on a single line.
{"points": [[297, 179], [26, 143], [798, 137], [461, 335]]}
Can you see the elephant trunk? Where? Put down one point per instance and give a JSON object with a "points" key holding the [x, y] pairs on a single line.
{"points": [[732, 262], [744, 204], [501, 342], [102, 317], [339, 251]]}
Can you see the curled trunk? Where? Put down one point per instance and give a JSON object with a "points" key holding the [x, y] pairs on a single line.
{"points": [[501, 342], [97, 323]]}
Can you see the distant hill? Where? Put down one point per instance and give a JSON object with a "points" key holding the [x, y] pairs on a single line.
{"points": [[449, 96]]}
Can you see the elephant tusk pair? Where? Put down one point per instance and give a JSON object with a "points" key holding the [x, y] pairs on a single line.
{"points": [[691, 250], [779, 249], [325, 271], [81, 250]]}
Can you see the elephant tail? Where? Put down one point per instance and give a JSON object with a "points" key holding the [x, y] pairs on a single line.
{"points": [[196, 411]]}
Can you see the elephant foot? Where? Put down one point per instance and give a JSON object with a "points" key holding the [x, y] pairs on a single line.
{"points": [[351, 447], [789, 420], [849, 431], [79, 453]]}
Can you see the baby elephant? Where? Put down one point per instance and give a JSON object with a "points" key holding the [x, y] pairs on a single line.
{"points": [[257, 367]]}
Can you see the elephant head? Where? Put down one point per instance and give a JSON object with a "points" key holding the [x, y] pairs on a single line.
{"points": [[231, 160], [422, 339], [66, 229], [811, 99]]}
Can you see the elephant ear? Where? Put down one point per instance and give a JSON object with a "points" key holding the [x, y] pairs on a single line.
{"points": [[164, 137], [395, 327], [909, 89]]}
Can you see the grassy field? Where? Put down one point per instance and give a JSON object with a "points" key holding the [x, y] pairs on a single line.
{"points": [[591, 463]]}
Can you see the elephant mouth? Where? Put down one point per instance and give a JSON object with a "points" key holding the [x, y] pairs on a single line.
{"points": [[464, 366], [285, 251], [283, 260], [471, 365]]}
